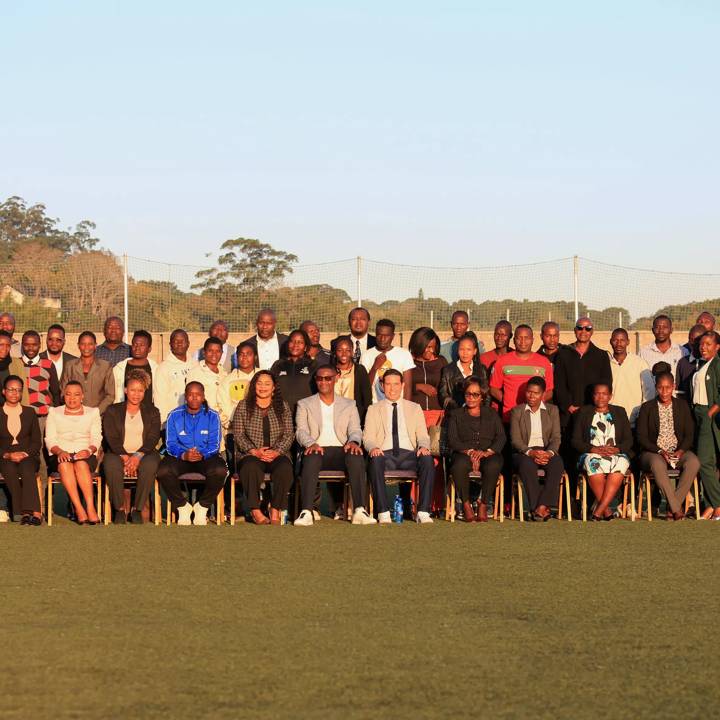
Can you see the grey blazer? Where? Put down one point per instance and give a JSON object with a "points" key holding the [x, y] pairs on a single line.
{"points": [[308, 420], [520, 428], [377, 426], [98, 386]]}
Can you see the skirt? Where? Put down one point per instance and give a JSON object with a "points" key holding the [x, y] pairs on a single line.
{"points": [[592, 464]]}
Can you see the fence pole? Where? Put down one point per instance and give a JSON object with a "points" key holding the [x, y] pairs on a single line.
{"points": [[125, 294], [359, 281], [576, 273], [431, 320]]}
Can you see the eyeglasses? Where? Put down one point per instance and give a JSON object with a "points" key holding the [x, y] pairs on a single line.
{"points": [[473, 395], [13, 390], [587, 328], [325, 378]]}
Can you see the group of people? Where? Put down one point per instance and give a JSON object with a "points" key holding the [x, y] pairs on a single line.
{"points": [[283, 408]]}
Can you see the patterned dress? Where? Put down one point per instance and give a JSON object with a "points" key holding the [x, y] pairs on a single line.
{"points": [[602, 432]]}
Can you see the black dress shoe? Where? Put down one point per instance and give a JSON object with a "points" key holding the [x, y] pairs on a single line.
{"points": [[25, 520], [36, 521], [136, 517], [119, 517]]}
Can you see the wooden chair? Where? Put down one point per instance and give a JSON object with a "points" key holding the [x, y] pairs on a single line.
{"points": [[190, 478], [331, 476], [397, 477], [39, 487], [498, 506], [54, 478], [129, 483], [628, 485], [518, 489], [647, 478]]}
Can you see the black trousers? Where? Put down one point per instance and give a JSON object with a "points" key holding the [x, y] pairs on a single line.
{"points": [[252, 471], [423, 465], [115, 476], [20, 479], [334, 458], [213, 468], [490, 468], [547, 493]]}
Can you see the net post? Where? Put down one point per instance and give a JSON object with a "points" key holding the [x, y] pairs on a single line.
{"points": [[125, 294], [576, 273], [359, 281]]}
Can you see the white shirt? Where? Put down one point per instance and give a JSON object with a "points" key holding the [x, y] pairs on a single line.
{"points": [[403, 436], [397, 358], [651, 355], [59, 364], [363, 343], [210, 380], [268, 351], [231, 391], [536, 437], [462, 371], [225, 358], [700, 396], [633, 384], [169, 384], [328, 437]]}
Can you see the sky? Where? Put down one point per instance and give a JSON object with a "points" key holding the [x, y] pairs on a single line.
{"points": [[433, 134]]}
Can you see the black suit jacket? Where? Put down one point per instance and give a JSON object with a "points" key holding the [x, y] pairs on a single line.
{"points": [[29, 440], [583, 423], [282, 339], [66, 356], [648, 425], [362, 391], [113, 426]]}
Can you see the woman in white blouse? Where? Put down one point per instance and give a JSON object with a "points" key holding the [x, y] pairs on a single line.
{"points": [[73, 434]]}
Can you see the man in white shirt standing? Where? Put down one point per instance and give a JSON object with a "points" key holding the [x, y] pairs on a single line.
{"points": [[362, 340], [632, 381], [663, 349], [267, 341], [328, 427], [219, 329], [171, 375], [383, 357]]}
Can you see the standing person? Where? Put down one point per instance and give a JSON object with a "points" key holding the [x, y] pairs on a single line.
{"points": [[267, 341], [316, 351], [131, 433], [362, 340], [707, 320], [328, 430], [113, 350], [424, 347], [632, 381], [687, 366], [193, 438], [73, 435], [233, 387], [502, 335], [460, 325], [353, 381], [55, 341], [262, 427], [209, 372], [384, 356], [138, 360], [171, 375], [219, 329], [94, 375], [663, 349], [294, 370], [405, 447], [7, 323], [550, 336], [706, 399], [20, 444], [452, 377], [10, 365]]}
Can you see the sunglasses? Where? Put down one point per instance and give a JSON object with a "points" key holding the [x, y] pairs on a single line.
{"points": [[325, 378], [473, 394], [587, 328]]}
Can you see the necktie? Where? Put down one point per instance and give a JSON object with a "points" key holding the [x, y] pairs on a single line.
{"points": [[357, 353], [395, 431]]}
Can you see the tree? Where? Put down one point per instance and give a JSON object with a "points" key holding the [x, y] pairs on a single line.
{"points": [[93, 287], [247, 264]]}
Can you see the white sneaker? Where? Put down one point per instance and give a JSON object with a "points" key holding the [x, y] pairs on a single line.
{"points": [[200, 514], [184, 514], [384, 518], [4, 516], [423, 517], [304, 519], [317, 517], [362, 517], [339, 513]]}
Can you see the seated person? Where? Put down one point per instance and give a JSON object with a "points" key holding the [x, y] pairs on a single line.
{"points": [[603, 437], [535, 435], [131, 432], [665, 433], [353, 381], [405, 447], [476, 438], [328, 428], [452, 377], [20, 444], [73, 435], [193, 446], [262, 428]]}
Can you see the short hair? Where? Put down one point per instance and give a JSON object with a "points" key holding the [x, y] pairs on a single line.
{"points": [[246, 344], [8, 315], [304, 323], [420, 339], [620, 330], [343, 339], [267, 311], [547, 324], [663, 375], [602, 383], [385, 322], [538, 382], [460, 312], [660, 367], [178, 331], [194, 382], [506, 323], [11, 378], [390, 372], [712, 334], [475, 380], [700, 329], [523, 326], [143, 334], [72, 382], [285, 349], [362, 309], [328, 366], [31, 333], [214, 323], [212, 341], [6, 334], [56, 326], [708, 313], [138, 375], [87, 333], [113, 318], [661, 317]]}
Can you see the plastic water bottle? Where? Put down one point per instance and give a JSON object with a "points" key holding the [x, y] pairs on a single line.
{"points": [[397, 514]]}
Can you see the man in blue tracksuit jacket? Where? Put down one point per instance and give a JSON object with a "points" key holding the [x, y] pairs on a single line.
{"points": [[193, 446]]}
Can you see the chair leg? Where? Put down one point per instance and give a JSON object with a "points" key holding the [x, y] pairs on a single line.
{"points": [[697, 499], [220, 507], [106, 521], [521, 501], [648, 488], [371, 504], [512, 497], [452, 501], [560, 498], [501, 482], [50, 502], [584, 498], [156, 504], [98, 494], [566, 480], [624, 502], [232, 502], [168, 513], [632, 498]]}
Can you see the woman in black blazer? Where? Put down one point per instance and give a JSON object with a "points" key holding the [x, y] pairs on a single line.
{"points": [[450, 391], [665, 433], [131, 432], [360, 386], [20, 444], [603, 437]]}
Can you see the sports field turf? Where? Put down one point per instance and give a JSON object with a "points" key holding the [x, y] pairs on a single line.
{"points": [[540, 620]]}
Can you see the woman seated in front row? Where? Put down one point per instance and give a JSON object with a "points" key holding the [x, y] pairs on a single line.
{"points": [[131, 432], [262, 427], [665, 433], [476, 438], [20, 444], [603, 437], [73, 434]]}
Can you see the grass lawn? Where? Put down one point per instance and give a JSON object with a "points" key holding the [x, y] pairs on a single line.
{"points": [[536, 620]]}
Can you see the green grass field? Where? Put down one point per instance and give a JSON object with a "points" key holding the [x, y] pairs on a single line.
{"points": [[536, 620]]}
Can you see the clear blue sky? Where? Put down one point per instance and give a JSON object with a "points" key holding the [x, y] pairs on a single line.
{"points": [[405, 131]]}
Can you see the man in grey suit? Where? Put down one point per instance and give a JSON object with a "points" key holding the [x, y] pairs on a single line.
{"points": [[535, 436], [328, 427]]}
